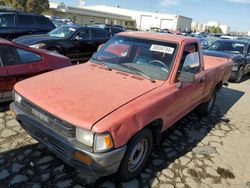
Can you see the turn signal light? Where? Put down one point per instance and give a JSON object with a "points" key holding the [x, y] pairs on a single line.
{"points": [[83, 158]]}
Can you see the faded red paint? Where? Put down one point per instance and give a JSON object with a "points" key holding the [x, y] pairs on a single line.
{"points": [[91, 97]]}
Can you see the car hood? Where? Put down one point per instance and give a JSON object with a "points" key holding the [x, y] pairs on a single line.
{"points": [[34, 39], [83, 94], [219, 54]]}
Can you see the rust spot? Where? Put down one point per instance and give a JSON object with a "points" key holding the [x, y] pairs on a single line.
{"points": [[225, 173]]}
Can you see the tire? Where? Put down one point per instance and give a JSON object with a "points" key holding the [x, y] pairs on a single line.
{"points": [[205, 108], [239, 75], [141, 141]]}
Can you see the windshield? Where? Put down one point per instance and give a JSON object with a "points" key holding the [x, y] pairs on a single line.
{"points": [[228, 46], [63, 32], [151, 58]]}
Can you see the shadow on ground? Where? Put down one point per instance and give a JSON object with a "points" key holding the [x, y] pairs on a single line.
{"points": [[34, 165], [4, 106]]}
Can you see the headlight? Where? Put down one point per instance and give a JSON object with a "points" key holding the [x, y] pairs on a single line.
{"points": [[37, 45], [235, 68], [17, 97], [85, 137], [99, 142]]}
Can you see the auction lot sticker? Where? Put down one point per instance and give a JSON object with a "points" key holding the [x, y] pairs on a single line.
{"points": [[163, 49]]}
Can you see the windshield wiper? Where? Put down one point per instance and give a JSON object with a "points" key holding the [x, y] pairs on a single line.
{"points": [[101, 62], [138, 72]]}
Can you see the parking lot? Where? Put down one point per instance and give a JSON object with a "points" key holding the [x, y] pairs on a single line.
{"points": [[197, 152]]}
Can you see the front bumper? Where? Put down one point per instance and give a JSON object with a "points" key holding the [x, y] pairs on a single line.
{"points": [[64, 148]]}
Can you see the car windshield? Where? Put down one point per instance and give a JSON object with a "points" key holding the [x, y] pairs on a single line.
{"points": [[228, 46], [63, 32], [153, 59]]}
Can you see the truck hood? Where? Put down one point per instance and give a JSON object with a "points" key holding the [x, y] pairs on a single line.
{"points": [[34, 39], [83, 94]]}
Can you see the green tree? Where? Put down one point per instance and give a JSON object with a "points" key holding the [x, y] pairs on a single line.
{"points": [[36, 6], [216, 30]]}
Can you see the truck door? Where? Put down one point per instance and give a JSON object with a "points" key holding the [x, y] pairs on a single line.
{"points": [[190, 94]]}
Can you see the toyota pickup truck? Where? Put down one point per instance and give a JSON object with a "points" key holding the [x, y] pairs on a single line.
{"points": [[104, 116]]}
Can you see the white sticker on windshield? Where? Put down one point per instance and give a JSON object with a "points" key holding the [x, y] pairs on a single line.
{"points": [[163, 49], [72, 29]]}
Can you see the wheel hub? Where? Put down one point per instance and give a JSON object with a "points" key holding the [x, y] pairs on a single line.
{"points": [[137, 155]]}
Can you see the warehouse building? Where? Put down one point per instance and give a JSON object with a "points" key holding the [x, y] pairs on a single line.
{"points": [[130, 19], [83, 16], [147, 20]]}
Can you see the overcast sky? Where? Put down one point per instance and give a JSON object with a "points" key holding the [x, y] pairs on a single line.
{"points": [[235, 13]]}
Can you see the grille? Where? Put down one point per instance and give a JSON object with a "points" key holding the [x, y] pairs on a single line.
{"points": [[49, 120]]}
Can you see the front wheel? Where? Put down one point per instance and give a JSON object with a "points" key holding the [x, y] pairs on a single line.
{"points": [[205, 108], [136, 156]]}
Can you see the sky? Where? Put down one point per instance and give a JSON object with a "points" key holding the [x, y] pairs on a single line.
{"points": [[235, 13]]}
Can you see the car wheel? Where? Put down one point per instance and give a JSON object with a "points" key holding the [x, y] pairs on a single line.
{"points": [[239, 75], [205, 108], [136, 156]]}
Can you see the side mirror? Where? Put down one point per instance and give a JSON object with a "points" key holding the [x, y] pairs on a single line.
{"points": [[187, 77]]}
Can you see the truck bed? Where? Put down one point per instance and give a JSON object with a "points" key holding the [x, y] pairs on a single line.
{"points": [[214, 62]]}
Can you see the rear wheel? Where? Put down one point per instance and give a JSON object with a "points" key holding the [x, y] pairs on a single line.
{"points": [[136, 156], [239, 75], [205, 108]]}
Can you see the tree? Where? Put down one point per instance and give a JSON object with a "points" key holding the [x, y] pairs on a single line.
{"points": [[37, 6], [216, 30]]}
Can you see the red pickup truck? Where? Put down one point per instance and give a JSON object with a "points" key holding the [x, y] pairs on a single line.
{"points": [[18, 62], [103, 117]]}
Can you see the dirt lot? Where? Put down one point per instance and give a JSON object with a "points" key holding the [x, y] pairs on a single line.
{"points": [[197, 152]]}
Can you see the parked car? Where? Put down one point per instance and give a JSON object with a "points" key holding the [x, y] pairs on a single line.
{"points": [[19, 62], [14, 24], [104, 116], [111, 29], [76, 42], [204, 43], [238, 51]]}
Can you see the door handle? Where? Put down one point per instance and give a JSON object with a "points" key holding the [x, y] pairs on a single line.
{"points": [[202, 79], [89, 42]]}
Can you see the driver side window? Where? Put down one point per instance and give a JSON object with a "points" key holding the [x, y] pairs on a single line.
{"points": [[190, 61], [83, 35]]}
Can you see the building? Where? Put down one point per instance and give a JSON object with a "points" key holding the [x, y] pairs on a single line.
{"points": [[146, 20], [248, 34], [83, 16]]}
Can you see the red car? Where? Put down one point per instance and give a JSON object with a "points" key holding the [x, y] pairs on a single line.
{"points": [[18, 62]]}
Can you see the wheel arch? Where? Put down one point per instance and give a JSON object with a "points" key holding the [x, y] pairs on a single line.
{"points": [[156, 128]]}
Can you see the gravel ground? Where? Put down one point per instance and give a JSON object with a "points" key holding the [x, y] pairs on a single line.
{"points": [[196, 152]]}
